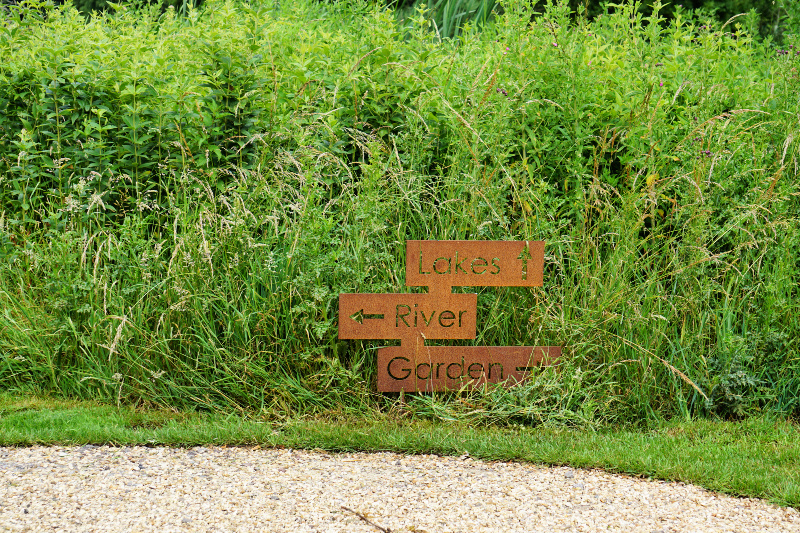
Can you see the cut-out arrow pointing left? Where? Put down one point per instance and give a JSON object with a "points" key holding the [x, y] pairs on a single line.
{"points": [[360, 316]]}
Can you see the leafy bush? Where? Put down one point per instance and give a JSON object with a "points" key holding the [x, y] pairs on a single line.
{"points": [[773, 19], [181, 6]]}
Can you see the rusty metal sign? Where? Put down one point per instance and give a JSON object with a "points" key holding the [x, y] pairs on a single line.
{"points": [[445, 264], [441, 314], [438, 368], [405, 316]]}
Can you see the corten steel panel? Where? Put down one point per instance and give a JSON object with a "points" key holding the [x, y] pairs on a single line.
{"points": [[437, 368], [445, 264], [406, 316]]}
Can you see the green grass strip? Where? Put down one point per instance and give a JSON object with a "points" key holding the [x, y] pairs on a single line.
{"points": [[757, 457]]}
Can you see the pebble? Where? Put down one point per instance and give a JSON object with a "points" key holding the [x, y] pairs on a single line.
{"points": [[139, 489]]}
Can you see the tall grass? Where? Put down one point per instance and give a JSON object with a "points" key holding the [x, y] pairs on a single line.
{"points": [[183, 199], [448, 18]]}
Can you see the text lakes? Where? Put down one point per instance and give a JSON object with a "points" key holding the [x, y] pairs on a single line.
{"points": [[441, 265], [448, 265]]}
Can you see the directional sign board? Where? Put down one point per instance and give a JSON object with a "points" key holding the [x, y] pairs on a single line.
{"points": [[437, 368], [404, 316], [474, 263], [441, 314]]}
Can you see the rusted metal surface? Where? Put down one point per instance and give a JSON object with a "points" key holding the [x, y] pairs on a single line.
{"points": [[444, 264], [437, 368], [406, 316], [440, 314]]}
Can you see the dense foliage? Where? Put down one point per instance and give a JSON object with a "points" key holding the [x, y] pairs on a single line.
{"points": [[774, 18], [182, 199]]}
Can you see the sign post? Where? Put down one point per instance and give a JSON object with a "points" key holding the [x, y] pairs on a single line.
{"points": [[441, 314]]}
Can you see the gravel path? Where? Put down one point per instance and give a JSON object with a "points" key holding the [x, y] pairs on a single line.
{"points": [[238, 489]]}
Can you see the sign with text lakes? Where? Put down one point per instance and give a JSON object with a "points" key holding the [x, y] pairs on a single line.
{"points": [[441, 314]]}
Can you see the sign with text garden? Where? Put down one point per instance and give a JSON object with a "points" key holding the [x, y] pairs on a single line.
{"points": [[441, 314]]}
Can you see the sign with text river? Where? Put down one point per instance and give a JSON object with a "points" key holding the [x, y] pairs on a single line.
{"points": [[441, 314]]}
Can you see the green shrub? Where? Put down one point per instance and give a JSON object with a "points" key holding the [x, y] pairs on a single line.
{"points": [[87, 7]]}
